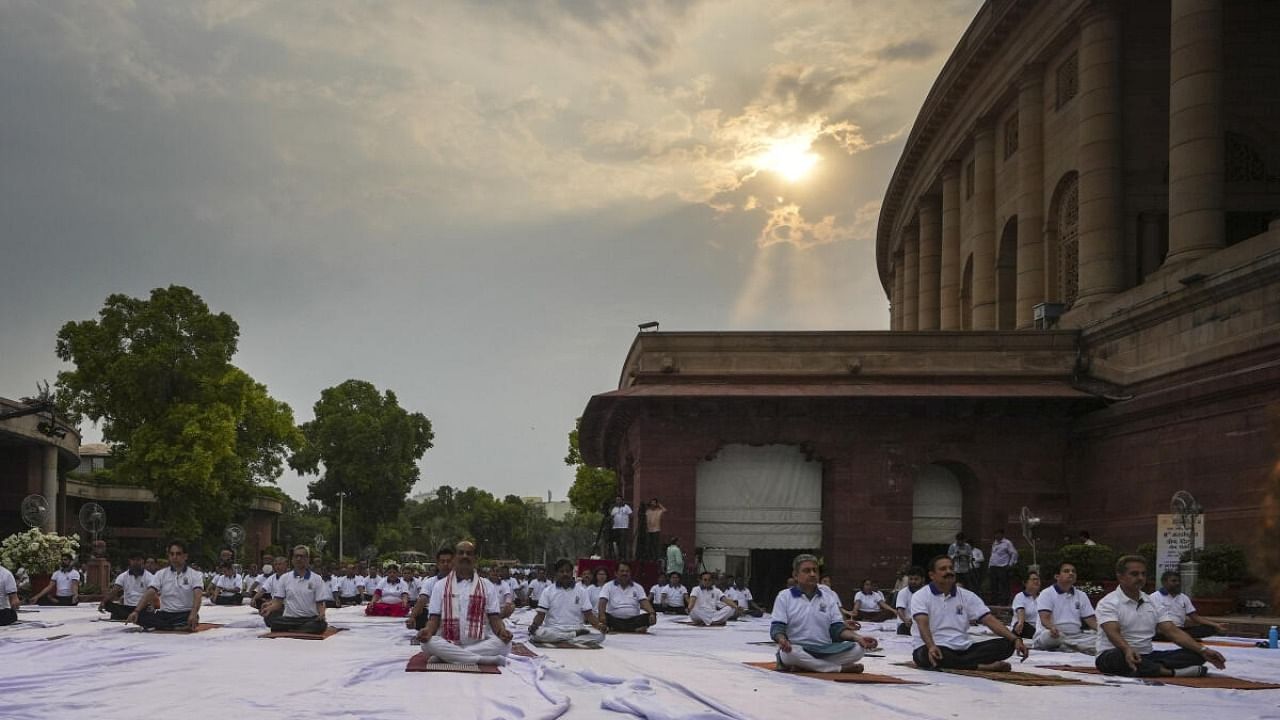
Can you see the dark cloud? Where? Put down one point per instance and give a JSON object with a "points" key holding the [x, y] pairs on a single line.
{"points": [[909, 50], [806, 89]]}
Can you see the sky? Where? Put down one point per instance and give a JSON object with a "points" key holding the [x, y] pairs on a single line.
{"points": [[470, 204]]}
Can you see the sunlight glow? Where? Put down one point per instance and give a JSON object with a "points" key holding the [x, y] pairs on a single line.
{"points": [[788, 157]]}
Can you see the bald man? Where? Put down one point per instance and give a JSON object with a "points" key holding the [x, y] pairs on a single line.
{"points": [[464, 617]]}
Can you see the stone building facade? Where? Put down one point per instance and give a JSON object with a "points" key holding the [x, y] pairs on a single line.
{"points": [[1081, 253]]}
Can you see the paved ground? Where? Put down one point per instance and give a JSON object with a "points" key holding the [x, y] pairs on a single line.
{"points": [[79, 666]]}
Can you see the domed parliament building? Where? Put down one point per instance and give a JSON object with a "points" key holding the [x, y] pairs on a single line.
{"points": [[1080, 249]]}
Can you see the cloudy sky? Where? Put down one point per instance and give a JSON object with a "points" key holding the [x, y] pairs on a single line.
{"points": [[470, 204]]}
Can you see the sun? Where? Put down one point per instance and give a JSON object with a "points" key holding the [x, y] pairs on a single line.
{"points": [[790, 157]]}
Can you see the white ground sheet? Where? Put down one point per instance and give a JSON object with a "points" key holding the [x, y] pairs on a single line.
{"points": [[107, 670]]}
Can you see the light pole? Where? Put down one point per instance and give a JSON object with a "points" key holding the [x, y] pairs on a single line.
{"points": [[341, 502]]}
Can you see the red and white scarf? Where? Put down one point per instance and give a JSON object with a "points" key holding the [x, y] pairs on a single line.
{"points": [[451, 610]]}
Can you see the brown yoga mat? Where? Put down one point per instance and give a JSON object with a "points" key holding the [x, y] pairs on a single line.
{"points": [[328, 633], [199, 628], [1011, 677], [841, 677], [690, 622], [1220, 682], [418, 663], [523, 650]]}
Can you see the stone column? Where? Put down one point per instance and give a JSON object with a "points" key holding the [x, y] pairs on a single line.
{"points": [[930, 261], [899, 277], [984, 227], [1030, 193], [49, 487], [1101, 188], [949, 303], [911, 283], [1197, 137]]}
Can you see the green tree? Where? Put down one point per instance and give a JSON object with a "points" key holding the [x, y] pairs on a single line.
{"points": [[592, 486], [156, 374], [300, 523], [363, 443]]}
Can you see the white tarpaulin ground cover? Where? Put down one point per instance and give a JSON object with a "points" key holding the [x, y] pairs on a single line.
{"points": [[107, 670]]}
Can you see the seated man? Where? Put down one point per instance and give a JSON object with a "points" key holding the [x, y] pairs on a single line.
{"points": [[708, 604], [808, 626], [1026, 619], [464, 612], [565, 613], [537, 585], [267, 581], [225, 587], [740, 594], [1064, 613], [8, 597], [902, 604], [418, 614], [391, 599], [506, 596], [1130, 620], [623, 606], [298, 598], [672, 596], [869, 604], [179, 589], [63, 587], [1173, 601], [347, 587], [941, 612], [130, 585]]}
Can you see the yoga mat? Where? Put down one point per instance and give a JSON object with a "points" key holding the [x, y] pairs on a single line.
{"points": [[690, 622], [522, 650], [1220, 682], [840, 677], [565, 646], [328, 633], [199, 628], [418, 663], [1012, 677]]}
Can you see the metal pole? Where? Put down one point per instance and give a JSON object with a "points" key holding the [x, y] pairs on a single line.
{"points": [[341, 502]]}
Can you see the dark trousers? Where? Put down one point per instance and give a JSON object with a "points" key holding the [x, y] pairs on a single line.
{"points": [[873, 615], [999, 585], [229, 599], [1028, 631], [119, 611], [55, 600], [904, 629], [626, 625], [8, 616], [161, 620], [979, 653], [668, 610], [1111, 662], [349, 600], [420, 622], [312, 625], [1199, 632], [655, 549], [619, 538]]}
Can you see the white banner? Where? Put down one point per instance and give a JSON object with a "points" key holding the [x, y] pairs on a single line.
{"points": [[1173, 538]]}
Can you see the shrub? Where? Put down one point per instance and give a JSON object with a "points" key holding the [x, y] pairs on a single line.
{"points": [[1148, 552], [1094, 563], [1209, 589], [1221, 563]]}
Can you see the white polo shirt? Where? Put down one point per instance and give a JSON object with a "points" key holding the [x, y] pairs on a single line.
{"points": [[707, 600], [62, 579], [1137, 620], [8, 586], [391, 591], [300, 593], [1028, 604], [741, 597], [903, 602], [176, 588], [563, 607], [1177, 606], [227, 584], [622, 602], [535, 589], [347, 586], [132, 586], [808, 619], [675, 595], [505, 593], [869, 603], [263, 582], [464, 588], [949, 616], [621, 515], [1069, 609]]}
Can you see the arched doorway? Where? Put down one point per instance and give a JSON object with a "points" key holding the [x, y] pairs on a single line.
{"points": [[937, 512], [1063, 240], [757, 507], [1007, 277]]}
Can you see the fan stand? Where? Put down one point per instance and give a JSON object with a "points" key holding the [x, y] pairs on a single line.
{"points": [[98, 569]]}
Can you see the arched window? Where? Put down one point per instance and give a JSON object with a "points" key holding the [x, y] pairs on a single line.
{"points": [[1007, 277], [1064, 241]]}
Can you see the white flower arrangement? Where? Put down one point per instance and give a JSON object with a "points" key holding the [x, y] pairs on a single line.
{"points": [[36, 551]]}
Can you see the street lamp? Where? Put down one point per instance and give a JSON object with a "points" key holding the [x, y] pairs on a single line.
{"points": [[341, 502]]}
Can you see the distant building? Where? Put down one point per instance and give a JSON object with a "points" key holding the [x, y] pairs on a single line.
{"points": [[554, 509]]}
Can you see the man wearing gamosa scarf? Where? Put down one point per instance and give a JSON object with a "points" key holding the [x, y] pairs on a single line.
{"points": [[464, 622]]}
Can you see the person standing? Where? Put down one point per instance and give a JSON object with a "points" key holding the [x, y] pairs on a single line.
{"points": [[620, 515], [1003, 557], [961, 554], [653, 527], [675, 558]]}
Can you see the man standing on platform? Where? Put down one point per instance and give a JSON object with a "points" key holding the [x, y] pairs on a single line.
{"points": [[620, 514], [961, 554], [1003, 557], [131, 585], [653, 526], [179, 589], [942, 612], [623, 606], [809, 629], [464, 611], [298, 598]]}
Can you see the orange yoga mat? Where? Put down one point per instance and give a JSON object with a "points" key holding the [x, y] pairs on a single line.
{"points": [[840, 677]]}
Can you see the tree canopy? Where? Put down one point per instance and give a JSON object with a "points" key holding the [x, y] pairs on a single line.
{"points": [[183, 421], [364, 444], [592, 486]]}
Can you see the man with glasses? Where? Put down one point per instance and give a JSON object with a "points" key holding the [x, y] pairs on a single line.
{"points": [[298, 598], [180, 590]]}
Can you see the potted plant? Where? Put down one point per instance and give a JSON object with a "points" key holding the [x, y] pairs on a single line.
{"points": [[36, 552], [1095, 568]]}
